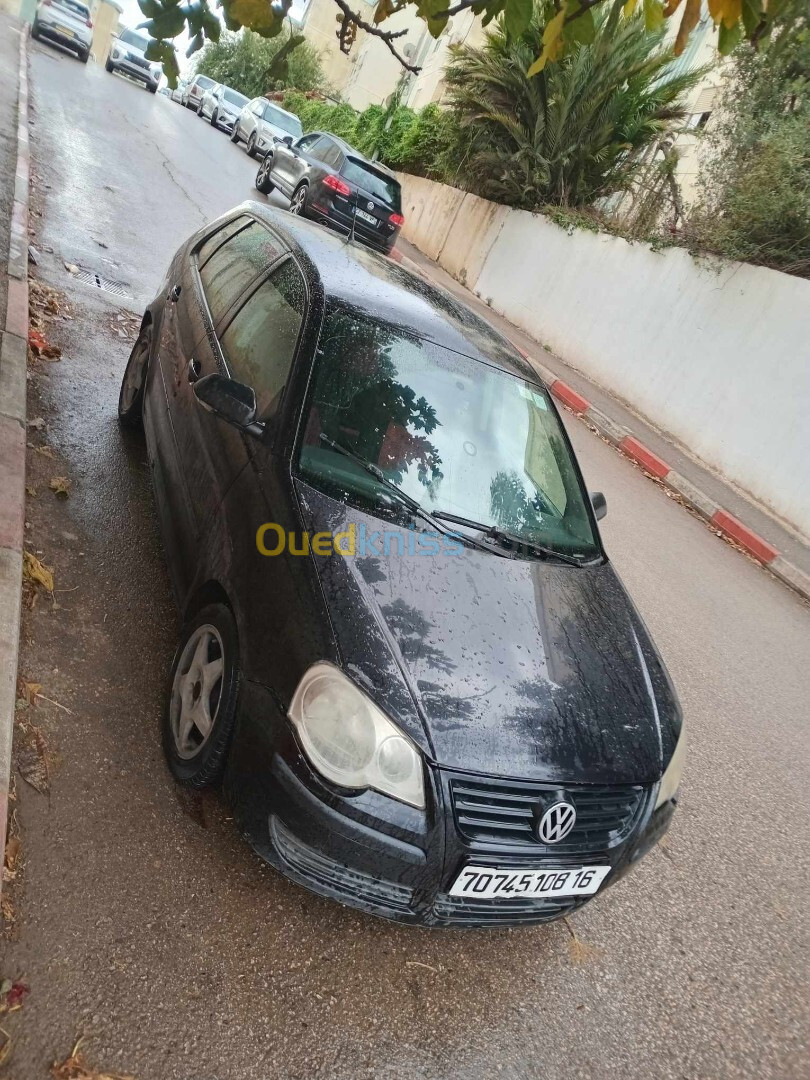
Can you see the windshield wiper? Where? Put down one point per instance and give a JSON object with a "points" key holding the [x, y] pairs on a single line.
{"points": [[494, 533], [412, 504]]}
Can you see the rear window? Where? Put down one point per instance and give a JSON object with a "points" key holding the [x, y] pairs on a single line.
{"points": [[282, 120], [234, 98], [204, 82], [137, 41], [81, 10], [375, 183]]}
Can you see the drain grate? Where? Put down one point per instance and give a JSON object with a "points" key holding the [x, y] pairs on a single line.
{"points": [[90, 277]]}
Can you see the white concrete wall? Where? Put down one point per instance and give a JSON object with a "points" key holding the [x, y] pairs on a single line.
{"points": [[716, 355]]}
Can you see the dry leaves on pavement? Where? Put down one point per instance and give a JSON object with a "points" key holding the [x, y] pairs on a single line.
{"points": [[41, 347], [32, 760], [76, 1068], [60, 485], [36, 572]]}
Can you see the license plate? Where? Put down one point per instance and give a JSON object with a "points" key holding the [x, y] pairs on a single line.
{"points": [[366, 217], [64, 30], [487, 883]]}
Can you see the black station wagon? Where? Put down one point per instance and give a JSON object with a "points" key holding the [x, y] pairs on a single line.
{"points": [[404, 650]]}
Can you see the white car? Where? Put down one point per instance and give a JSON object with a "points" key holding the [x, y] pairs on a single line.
{"points": [[262, 124], [66, 22], [221, 105], [128, 55], [195, 90]]}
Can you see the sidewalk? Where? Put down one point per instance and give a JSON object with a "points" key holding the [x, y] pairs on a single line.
{"points": [[13, 356], [761, 534]]}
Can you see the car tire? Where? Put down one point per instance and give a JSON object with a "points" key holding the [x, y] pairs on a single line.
{"points": [[203, 686], [213, 119], [235, 134], [251, 145], [108, 66], [298, 202], [133, 384], [35, 31], [84, 57], [263, 183], [152, 89]]}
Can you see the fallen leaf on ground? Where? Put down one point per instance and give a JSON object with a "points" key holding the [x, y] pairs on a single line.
{"points": [[31, 490], [75, 1068], [37, 423], [28, 691], [34, 570], [12, 857], [11, 995], [41, 347], [46, 451], [71, 268], [6, 1046], [32, 761], [60, 485]]}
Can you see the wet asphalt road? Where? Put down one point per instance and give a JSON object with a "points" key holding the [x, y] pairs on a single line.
{"points": [[147, 924]]}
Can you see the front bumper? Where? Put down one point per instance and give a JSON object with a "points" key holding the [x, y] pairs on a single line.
{"points": [[225, 121], [382, 857]]}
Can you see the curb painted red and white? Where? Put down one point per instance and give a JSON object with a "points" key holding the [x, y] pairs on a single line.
{"points": [[721, 520], [13, 356]]}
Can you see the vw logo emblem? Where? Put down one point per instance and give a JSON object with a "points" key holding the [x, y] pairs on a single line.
{"points": [[371, 206], [556, 823]]}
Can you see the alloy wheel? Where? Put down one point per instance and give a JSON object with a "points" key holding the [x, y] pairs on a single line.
{"points": [[197, 691], [298, 200]]}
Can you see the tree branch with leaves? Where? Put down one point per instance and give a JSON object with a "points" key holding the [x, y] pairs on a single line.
{"points": [[570, 24]]}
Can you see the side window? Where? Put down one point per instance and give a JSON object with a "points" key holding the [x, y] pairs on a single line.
{"points": [[218, 238], [235, 264], [259, 344], [257, 108], [332, 157], [320, 147], [307, 142]]}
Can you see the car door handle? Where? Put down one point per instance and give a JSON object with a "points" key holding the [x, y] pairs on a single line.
{"points": [[193, 370], [174, 295]]}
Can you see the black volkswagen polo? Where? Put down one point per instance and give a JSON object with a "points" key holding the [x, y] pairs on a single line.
{"points": [[404, 648]]}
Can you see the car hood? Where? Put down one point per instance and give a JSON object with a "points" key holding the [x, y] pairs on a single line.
{"points": [[515, 667]]}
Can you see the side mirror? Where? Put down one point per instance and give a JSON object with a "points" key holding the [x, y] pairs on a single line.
{"points": [[287, 140], [233, 401], [599, 503]]}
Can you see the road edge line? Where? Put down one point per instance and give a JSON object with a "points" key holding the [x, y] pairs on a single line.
{"points": [[719, 519], [13, 357]]}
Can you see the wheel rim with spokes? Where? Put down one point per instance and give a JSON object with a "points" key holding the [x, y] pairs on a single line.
{"points": [[297, 204], [133, 376], [251, 143], [197, 691], [264, 170]]}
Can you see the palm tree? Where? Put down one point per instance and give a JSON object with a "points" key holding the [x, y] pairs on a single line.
{"points": [[577, 131]]}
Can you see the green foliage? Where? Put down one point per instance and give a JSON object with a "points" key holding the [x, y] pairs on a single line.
{"points": [[569, 23], [577, 131], [755, 180], [253, 65]]}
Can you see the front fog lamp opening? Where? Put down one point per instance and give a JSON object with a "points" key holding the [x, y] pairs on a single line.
{"points": [[350, 741]]}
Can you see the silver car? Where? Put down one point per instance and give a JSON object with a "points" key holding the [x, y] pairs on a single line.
{"points": [[262, 124], [195, 89], [128, 55], [221, 106], [66, 22]]}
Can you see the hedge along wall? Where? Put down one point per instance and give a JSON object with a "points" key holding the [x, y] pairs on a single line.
{"points": [[715, 354]]}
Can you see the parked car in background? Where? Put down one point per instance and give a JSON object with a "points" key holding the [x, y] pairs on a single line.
{"points": [[128, 55], [444, 709], [326, 179], [221, 105], [195, 90], [262, 123], [66, 22], [179, 91]]}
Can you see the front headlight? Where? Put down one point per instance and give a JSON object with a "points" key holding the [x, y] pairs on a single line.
{"points": [[350, 741], [671, 780]]}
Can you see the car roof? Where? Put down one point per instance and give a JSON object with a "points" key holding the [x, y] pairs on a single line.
{"points": [[347, 148], [276, 105], [383, 289]]}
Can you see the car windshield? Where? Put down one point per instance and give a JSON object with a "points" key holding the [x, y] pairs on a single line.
{"points": [[375, 183], [283, 120], [137, 41], [75, 9], [234, 98], [455, 434], [204, 82]]}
